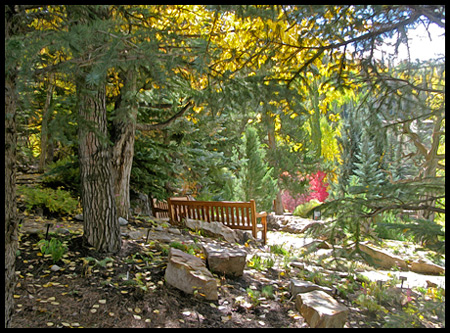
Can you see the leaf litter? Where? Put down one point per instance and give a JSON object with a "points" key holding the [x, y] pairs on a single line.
{"points": [[123, 290]]}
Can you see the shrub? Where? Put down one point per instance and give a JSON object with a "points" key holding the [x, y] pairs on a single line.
{"points": [[49, 200], [54, 247], [304, 209], [64, 173]]}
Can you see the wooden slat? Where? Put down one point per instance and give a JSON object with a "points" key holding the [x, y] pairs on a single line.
{"points": [[236, 215]]}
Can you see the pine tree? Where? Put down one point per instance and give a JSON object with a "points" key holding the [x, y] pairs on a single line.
{"points": [[367, 168], [255, 178]]}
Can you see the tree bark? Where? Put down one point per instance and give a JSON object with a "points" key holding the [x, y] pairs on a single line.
{"points": [[11, 218], [278, 204], [123, 151], [45, 135], [101, 225]]}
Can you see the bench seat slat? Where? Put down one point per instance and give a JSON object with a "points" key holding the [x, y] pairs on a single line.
{"points": [[234, 214]]}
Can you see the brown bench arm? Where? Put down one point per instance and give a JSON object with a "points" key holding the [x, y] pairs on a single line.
{"points": [[263, 216]]}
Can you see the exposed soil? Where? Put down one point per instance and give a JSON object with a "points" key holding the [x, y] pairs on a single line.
{"points": [[128, 289], [83, 294]]}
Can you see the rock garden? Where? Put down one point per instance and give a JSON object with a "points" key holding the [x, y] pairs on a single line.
{"points": [[176, 276]]}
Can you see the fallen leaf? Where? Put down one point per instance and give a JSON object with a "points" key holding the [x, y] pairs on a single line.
{"points": [[102, 301]]}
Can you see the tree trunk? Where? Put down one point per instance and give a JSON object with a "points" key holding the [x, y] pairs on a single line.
{"points": [[45, 135], [101, 225], [278, 204], [11, 219], [124, 126]]}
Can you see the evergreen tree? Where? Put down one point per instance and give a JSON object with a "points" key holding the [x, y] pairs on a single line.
{"points": [[255, 177], [367, 169]]}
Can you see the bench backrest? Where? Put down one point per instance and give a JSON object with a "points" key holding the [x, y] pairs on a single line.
{"points": [[234, 214]]}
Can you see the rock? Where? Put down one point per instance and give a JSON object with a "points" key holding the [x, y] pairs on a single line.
{"points": [[64, 231], [230, 262], [78, 217], [317, 244], [137, 234], [291, 224], [244, 236], [424, 267], [301, 287], [320, 310], [189, 274], [215, 229], [174, 231], [383, 258], [122, 221], [55, 268], [140, 203]]}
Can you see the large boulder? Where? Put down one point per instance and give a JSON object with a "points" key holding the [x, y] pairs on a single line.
{"points": [[384, 259], [189, 274], [301, 287], [215, 229], [424, 267], [230, 262], [320, 310]]}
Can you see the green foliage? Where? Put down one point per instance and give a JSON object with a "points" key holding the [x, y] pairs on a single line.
{"points": [[259, 263], [255, 178], [49, 200], [429, 233], [64, 173], [192, 249], [54, 247], [304, 210]]}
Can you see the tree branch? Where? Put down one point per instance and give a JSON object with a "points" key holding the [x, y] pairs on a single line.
{"points": [[152, 127]]}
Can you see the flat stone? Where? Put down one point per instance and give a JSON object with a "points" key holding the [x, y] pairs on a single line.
{"points": [[215, 229], [384, 259], [300, 287], [55, 268], [189, 274], [230, 262], [320, 310], [424, 267], [122, 221]]}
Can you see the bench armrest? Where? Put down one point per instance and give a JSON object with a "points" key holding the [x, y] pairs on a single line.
{"points": [[261, 214]]}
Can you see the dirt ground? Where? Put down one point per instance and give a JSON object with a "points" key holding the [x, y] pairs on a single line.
{"points": [[83, 293], [88, 289]]}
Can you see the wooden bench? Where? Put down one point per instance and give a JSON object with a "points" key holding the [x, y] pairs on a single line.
{"points": [[160, 209], [234, 214]]}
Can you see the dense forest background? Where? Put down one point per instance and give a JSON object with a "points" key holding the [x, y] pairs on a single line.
{"points": [[281, 104]]}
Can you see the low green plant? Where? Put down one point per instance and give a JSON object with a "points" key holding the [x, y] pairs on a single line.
{"points": [[259, 263], [267, 292], [101, 263], [192, 249], [278, 249], [255, 296], [49, 200], [304, 210], [54, 247]]}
